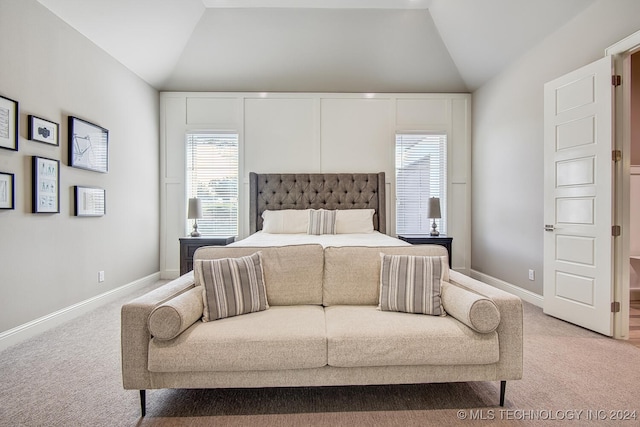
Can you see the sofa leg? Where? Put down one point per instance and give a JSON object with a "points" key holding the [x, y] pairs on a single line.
{"points": [[143, 402], [503, 386]]}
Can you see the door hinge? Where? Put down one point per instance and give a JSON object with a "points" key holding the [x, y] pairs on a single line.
{"points": [[615, 307], [616, 80], [615, 230], [616, 155]]}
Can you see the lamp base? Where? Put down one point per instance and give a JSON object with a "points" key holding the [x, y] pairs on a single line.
{"points": [[434, 226], [195, 232]]}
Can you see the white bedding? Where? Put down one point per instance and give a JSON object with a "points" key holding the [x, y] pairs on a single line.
{"points": [[376, 238]]}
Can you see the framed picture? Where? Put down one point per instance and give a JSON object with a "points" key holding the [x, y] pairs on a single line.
{"points": [[89, 201], [46, 185], [7, 190], [88, 145], [42, 130], [8, 123]]}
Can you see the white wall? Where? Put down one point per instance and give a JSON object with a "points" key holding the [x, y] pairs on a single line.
{"points": [[507, 201], [49, 262], [311, 132]]}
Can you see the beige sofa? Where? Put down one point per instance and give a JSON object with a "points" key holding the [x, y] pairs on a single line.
{"points": [[322, 328]]}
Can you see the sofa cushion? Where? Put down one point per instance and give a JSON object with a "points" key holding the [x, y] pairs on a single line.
{"points": [[232, 286], [477, 312], [284, 337], [352, 273], [171, 318], [365, 336], [412, 284], [292, 274]]}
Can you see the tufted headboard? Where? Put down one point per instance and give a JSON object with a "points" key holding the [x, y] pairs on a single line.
{"points": [[276, 191]]}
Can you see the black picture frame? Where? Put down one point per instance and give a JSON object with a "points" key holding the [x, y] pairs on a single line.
{"points": [[88, 145], [89, 201], [9, 123], [7, 190], [45, 185], [42, 130]]}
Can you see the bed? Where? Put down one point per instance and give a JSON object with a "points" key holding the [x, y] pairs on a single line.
{"points": [[288, 197]]}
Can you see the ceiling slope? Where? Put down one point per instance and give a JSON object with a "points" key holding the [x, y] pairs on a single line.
{"points": [[324, 50], [318, 45], [484, 36], [321, 4], [146, 36]]}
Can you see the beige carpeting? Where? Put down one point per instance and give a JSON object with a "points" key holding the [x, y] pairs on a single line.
{"points": [[70, 376]]}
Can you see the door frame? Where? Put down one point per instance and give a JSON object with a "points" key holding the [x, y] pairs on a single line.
{"points": [[621, 53]]}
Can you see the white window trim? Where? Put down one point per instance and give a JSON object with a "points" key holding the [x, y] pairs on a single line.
{"points": [[422, 225], [203, 225]]}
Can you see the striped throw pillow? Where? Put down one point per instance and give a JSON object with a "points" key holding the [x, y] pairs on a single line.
{"points": [[322, 221], [232, 286], [412, 284]]}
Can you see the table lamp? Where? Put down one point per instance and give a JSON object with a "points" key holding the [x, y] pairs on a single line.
{"points": [[434, 212], [195, 212]]}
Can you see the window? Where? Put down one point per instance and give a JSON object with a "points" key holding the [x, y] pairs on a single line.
{"points": [[421, 173], [212, 177]]}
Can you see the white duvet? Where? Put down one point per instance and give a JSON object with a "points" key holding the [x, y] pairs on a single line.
{"points": [[375, 238]]}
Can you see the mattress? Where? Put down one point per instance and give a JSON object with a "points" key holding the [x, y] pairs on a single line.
{"points": [[261, 239]]}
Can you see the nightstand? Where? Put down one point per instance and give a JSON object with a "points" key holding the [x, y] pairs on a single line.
{"points": [[426, 239], [188, 246]]}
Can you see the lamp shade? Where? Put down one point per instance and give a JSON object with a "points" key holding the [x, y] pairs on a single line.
{"points": [[433, 210], [195, 209]]}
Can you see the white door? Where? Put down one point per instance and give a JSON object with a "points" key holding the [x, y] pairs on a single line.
{"points": [[578, 197]]}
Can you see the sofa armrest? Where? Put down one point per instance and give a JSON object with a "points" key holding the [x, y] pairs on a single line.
{"points": [[510, 335], [135, 334]]}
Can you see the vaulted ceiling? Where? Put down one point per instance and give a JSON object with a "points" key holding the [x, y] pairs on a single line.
{"points": [[316, 45]]}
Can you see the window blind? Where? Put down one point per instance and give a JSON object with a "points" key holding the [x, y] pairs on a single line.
{"points": [[421, 173], [212, 177]]}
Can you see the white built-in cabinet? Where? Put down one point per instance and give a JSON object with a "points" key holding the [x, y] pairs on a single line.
{"points": [[313, 133]]}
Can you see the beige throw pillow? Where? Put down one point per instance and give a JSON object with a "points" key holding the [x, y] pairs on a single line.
{"points": [[232, 286], [322, 221], [477, 312], [412, 284], [170, 319]]}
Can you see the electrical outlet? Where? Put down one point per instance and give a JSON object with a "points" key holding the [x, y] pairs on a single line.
{"points": [[532, 275], [100, 276]]}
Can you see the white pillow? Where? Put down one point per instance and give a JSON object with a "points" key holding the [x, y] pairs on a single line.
{"points": [[286, 221], [354, 221]]}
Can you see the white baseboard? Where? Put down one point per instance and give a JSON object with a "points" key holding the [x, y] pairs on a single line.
{"points": [[170, 274], [524, 294], [30, 329]]}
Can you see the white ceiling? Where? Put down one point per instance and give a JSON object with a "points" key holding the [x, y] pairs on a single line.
{"points": [[316, 45]]}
